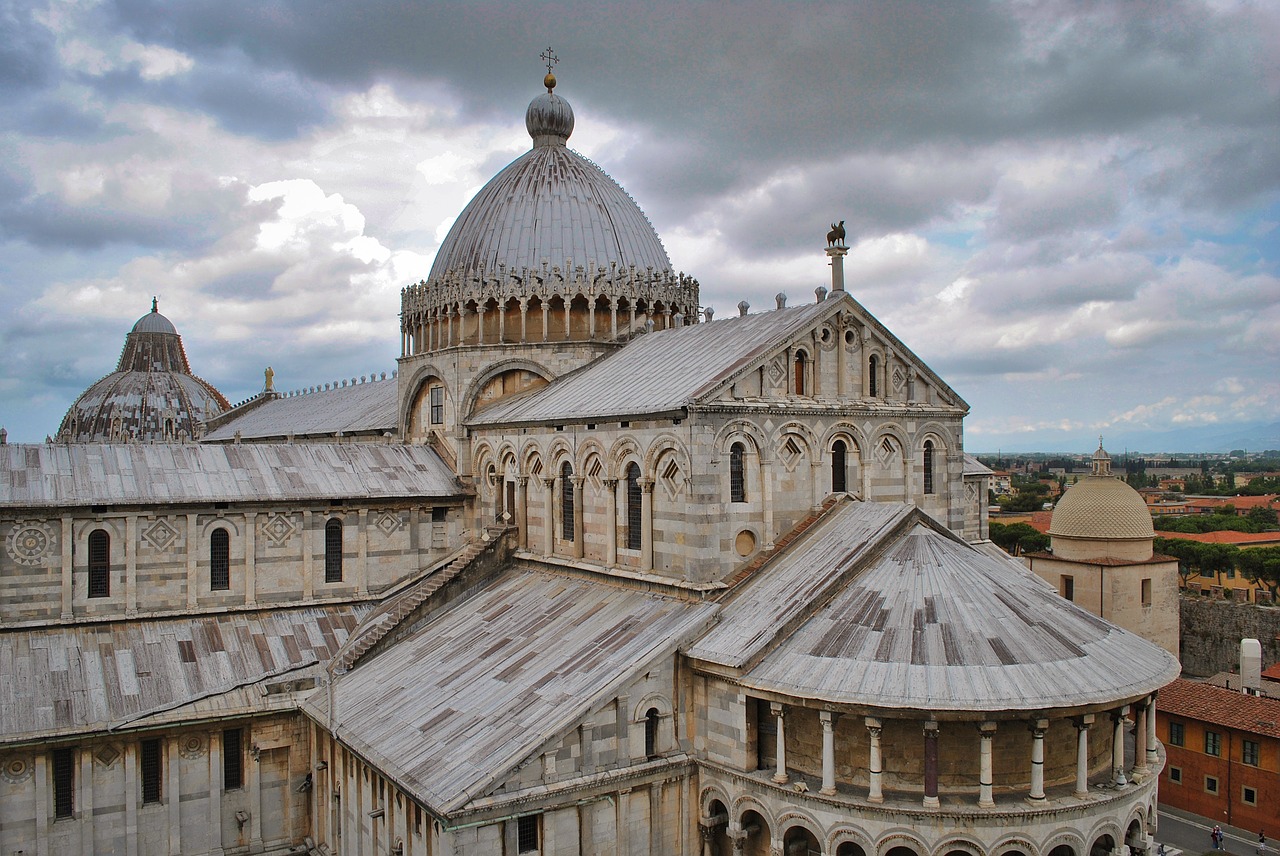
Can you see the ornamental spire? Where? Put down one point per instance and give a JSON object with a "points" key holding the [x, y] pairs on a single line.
{"points": [[549, 57]]}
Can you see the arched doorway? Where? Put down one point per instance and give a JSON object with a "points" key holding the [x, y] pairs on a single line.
{"points": [[1063, 850], [1102, 846], [718, 822], [849, 848]]}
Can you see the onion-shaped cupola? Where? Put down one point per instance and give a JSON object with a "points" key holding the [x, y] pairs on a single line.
{"points": [[151, 396], [551, 249]]}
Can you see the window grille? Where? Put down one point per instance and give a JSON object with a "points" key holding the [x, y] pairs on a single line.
{"points": [[635, 520], [928, 466], [219, 560], [737, 473], [651, 733], [333, 551], [566, 501], [151, 770], [232, 759], [527, 834], [64, 782], [99, 564], [839, 468], [437, 405]]}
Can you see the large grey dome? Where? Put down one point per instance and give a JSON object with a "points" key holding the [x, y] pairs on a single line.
{"points": [[550, 204], [152, 394]]}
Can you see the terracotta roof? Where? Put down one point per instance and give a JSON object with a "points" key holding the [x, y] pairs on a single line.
{"points": [[1241, 539], [1239, 502], [1217, 706], [1273, 673]]}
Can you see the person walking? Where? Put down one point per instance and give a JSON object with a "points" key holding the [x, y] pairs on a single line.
{"points": [[1216, 835], [1262, 842]]}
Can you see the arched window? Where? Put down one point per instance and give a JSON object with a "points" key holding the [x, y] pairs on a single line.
{"points": [[839, 469], [800, 365], [219, 560], [634, 499], [566, 501], [99, 563], [873, 373], [333, 551], [651, 733], [928, 466], [737, 473]]}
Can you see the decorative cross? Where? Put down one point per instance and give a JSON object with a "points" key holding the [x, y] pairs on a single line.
{"points": [[549, 57]]}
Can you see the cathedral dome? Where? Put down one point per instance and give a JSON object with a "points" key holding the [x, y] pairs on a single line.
{"points": [[553, 205], [152, 394], [1101, 517]]}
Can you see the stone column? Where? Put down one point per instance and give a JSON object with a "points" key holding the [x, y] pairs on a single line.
{"points": [[819, 484], [68, 568], [480, 321], [828, 752], [766, 493], [84, 806], [1117, 746], [611, 530], [548, 515], [707, 832], [646, 524], [308, 570], [522, 510], [568, 322], [1082, 724], [578, 529], [131, 797], [1140, 737], [546, 316], [173, 798], [523, 303], [131, 564], [986, 731], [502, 321], [215, 791], [780, 776], [40, 776], [1153, 753], [1038, 728], [931, 764], [362, 551], [193, 580], [250, 557], [738, 837], [875, 793]]}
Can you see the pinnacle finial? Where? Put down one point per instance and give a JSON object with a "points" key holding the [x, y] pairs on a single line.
{"points": [[549, 57], [153, 305]]}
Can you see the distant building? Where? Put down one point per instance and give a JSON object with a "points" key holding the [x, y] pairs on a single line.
{"points": [[1101, 557], [1224, 754]]}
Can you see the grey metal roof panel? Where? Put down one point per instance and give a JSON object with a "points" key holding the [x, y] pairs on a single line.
{"points": [[92, 677], [361, 407], [933, 623], [470, 695], [145, 473], [657, 372], [974, 467], [755, 614]]}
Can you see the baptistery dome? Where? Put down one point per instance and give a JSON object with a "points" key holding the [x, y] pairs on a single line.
{"points": [[152, 395]]}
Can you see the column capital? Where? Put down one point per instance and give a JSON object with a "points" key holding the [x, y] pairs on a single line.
{"points": [[931, 728], [1038, 727], [873, 722], [610, 483], [828, 719], [777, 708], [987, 729], [1083, 721]]}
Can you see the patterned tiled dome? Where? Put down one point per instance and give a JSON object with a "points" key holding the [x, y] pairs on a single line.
{"points": [[1101, 507]]}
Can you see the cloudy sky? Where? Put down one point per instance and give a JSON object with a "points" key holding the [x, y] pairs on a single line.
{"points": [[1070, 210]]}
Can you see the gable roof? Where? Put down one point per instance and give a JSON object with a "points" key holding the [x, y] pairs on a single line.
{"points": [[451, 709], [54, 474], [659, 372], [359, 408], [1218, 706]]}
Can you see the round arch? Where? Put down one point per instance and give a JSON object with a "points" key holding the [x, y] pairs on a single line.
{"points": [[740, 429], [207, 527], [416, 384], [844, 834], [900, 842], [467, 403], [958, 845]]}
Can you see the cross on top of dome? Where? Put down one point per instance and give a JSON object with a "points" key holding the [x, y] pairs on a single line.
{"points": [[549, 57]]}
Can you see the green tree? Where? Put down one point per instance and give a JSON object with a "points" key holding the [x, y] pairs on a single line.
{"points": [[1262, 516], [1017, 538]]}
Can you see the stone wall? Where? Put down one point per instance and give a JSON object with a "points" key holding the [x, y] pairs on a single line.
{"points": [[1212, 629]]}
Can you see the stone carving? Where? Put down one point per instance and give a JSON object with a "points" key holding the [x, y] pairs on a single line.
{"points": [[160, 535], [30, 544], [107, 755], [835, 238], [191, 746], [278, 529], [388, 523], [16, 769]]}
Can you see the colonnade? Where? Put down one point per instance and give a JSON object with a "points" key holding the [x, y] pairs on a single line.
{"points": [[1145, 756]]}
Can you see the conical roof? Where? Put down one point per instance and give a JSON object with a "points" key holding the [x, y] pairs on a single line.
{"points": [[152, 394]]}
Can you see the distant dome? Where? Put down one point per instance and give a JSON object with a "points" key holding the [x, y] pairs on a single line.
{"points": [[1101, 517], [151, 396], [550, 204]]}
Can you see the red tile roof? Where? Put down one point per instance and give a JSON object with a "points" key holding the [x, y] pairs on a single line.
{"points": [[1217, 706], [1241, 503], [1240, 539]]}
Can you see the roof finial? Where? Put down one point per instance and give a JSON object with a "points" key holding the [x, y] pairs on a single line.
{"points": [[153, 305], [549, 57]]}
